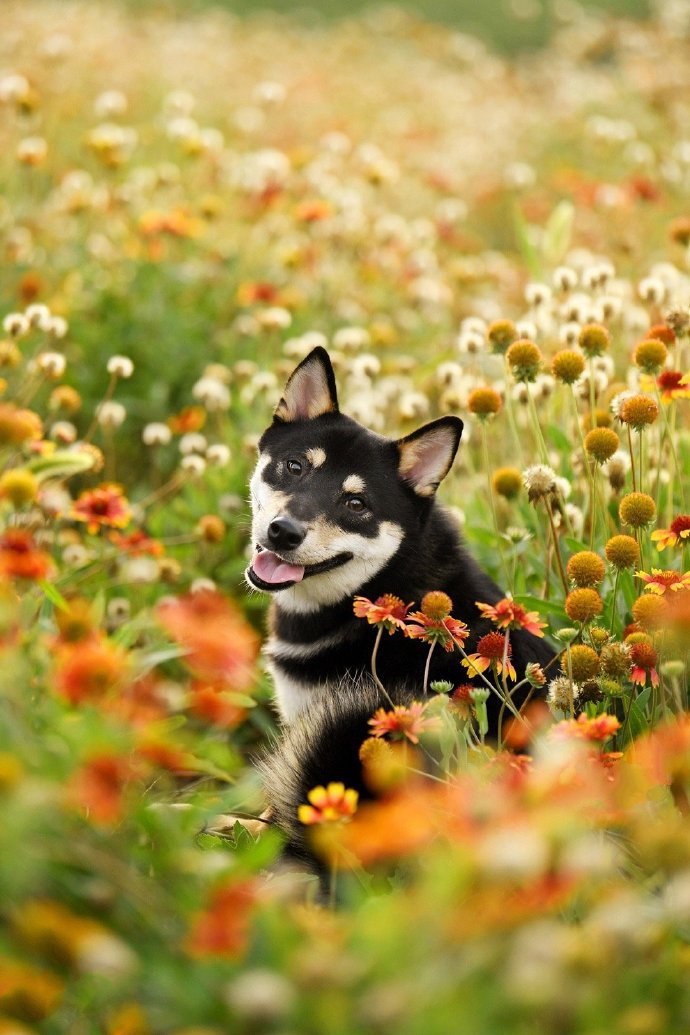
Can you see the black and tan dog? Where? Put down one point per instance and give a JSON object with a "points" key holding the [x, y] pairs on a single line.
{"points": [[340, 511]]}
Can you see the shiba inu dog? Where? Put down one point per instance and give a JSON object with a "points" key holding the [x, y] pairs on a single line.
{"points": [[339, 511]]}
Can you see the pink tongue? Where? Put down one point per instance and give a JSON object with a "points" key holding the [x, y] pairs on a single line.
{"points": [[271, 569]]}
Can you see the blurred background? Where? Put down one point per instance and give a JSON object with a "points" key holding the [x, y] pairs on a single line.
{"points": [[507, 25]]}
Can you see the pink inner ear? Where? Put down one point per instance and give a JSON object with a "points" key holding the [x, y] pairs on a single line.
{"points": [[425, 460], [306, 394]]}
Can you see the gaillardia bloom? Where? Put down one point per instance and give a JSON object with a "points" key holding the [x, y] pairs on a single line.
{"points": [[21, 558], [659, 581], [491, 651], [506, 614], [401, 722], [106, 505], [328, 804], [678, 532], [388, 612]]}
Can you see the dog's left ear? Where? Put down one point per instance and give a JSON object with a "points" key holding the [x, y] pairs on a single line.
{"points": [[426, 455], [310, 391]]}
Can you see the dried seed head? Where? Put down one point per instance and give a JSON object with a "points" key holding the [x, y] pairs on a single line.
{"points": [[637, 509], [622, 551], [594, 339], [582, 605], [650, 611], [507, 482], [524, 359], [584, 661], [639, 411], [484, 403], [567, 365], [586, 568], [601, 444], [650, 355]]}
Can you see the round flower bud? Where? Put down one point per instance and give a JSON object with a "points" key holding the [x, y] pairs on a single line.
{"points": [[507, 482], [586, 568], [211, 528], [601, 444], [111, 414], [650, 611], [484, 403], [524, 359], [501, 335], [218, 455], [615, 660], [638, 411], [567, 365], [637, 509], [19, 486], [156, 434], [650, 355], [584, 662], [52, 364], [66, 398], [582, 605], [594, 339], [436, 605]]}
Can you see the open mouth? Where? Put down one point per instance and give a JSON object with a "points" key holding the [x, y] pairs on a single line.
{"points": [[270, 572]]}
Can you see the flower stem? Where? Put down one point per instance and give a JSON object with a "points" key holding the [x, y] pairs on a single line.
{"points": [[426, 667], [374, 655], [557, 551]]}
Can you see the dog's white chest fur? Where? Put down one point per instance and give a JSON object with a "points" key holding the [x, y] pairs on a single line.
{"points": [[292, 695]]}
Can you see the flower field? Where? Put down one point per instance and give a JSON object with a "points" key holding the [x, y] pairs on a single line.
{"points": [[188, 207]]}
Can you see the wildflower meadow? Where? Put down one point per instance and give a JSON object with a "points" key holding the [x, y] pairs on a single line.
{"points": [[190, 203]]}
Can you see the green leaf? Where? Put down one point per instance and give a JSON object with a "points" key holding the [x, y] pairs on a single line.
{"points": [[558, 233], [559, 438], [54, 595], [61, 464], [525, 246]]}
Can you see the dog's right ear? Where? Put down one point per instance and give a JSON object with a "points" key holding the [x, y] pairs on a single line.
{"points": [[310, 391]]}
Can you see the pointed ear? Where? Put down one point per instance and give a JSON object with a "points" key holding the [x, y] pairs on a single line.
{"points": [[427, 454], [310, 391]]}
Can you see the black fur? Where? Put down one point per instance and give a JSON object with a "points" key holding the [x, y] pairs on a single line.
{"points": [[322, 743]]}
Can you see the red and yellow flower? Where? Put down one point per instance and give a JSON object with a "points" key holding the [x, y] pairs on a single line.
{"points": [[598, 728], [493, 651], [328, 804], [21, 558], [662, 580], [506, 614], [388, 612], [677, 532], [104, 506], [403, 722]]}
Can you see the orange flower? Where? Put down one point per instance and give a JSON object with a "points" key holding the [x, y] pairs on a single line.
{"points": [[328, 804], [26, 991], [673, 385], [137, 543], [250, 292], [449, 631], [20, 558], [644, 658], [176, 223], [97, 787], [678, 530], [506, 614], [403, 722], [600, 728], [387, 611], [222, 928], [17, 426], [90, 671], [313, 211], [659, 581], [191, 418], [213, 705], [104, 505], [490, 652], [221, 645]]}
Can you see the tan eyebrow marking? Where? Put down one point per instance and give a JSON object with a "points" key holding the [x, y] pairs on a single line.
{"points": [[353, 483], [316, 456]]}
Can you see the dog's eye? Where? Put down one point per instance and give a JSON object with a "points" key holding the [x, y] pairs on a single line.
{"points": [[356, 504], [294, 466]]}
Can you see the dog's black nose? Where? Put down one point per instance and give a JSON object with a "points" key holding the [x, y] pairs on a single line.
{"points": [[285, 534]]}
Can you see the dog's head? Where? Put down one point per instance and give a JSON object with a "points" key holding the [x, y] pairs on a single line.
{"points": [[332, 501]]}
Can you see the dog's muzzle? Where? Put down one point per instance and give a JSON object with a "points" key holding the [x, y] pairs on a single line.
{"points": [[270, 572]]}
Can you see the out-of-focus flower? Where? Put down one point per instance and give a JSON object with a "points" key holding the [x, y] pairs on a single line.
{"points": [[90, 671], [222, 928], [104, 506], [21, 558], [328, 804], [599, 728], [98, 786], [644, 659], [221, 646], [18, 425], [401, 722]]}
